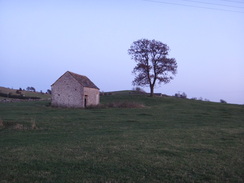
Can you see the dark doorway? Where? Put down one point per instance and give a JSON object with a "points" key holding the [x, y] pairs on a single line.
{"points": [[85, 101]]}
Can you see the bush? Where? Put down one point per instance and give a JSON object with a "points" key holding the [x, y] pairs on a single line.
{"points": [[138, 90], [18, 92]]}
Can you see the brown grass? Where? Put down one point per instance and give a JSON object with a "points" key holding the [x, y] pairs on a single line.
{"points": [[117, 105], [125, 105], [18, 126]]}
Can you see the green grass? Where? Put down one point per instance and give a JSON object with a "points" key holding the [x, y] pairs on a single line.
{"points": [[169, 140]]}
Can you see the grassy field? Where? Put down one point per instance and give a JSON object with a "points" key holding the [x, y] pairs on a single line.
{"points": [[40, 95], [168, 140]]}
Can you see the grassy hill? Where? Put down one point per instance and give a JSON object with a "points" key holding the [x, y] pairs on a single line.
{"points": [[168, 140], [7, 93]]}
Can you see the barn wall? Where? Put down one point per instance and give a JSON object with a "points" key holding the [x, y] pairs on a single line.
{"points": [[92, 94], [67, 92]]}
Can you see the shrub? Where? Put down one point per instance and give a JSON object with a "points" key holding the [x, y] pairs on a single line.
{"points": [[138, 90], [18, 92]]}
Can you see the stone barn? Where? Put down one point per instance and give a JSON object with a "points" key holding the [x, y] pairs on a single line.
{"points": [[74, 90]]}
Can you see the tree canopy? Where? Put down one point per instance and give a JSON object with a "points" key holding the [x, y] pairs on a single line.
{"points": [[152, 64]]}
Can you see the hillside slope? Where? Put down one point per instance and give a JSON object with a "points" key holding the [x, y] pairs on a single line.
{"points": [[168, 140], [7, 93]]}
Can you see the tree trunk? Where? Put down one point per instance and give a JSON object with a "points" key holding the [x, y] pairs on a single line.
{"points": [[151, 90]]}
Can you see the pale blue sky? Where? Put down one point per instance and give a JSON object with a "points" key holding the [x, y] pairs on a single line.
{"points": [[41, 39]]}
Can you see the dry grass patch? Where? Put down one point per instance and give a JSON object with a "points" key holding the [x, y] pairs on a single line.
{"points": [[19, 126], [123, 104], [33, 124]]}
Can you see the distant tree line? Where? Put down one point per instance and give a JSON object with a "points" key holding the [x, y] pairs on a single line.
{"points": [[32, 89]]}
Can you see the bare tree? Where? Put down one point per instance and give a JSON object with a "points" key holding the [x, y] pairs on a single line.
{"points": [[152, 63]]}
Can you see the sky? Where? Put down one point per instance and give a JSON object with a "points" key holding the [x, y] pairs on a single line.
{"points": [[40, 40]]}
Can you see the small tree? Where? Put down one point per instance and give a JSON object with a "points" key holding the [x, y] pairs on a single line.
{"points": [[33, 89], [152, 63], [49, 91]]}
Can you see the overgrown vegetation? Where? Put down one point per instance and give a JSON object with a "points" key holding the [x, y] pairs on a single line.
{"points": [[168, 140]]}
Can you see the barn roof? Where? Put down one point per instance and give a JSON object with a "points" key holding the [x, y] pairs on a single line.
{"points": [[83, 80]]}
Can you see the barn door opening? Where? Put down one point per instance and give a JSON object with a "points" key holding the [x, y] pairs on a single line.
{"points": [[85, 101]]}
